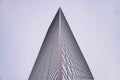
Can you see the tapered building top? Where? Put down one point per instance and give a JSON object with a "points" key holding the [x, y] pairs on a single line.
{"points": [[60, 57]]}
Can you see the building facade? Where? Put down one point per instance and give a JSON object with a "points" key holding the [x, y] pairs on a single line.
{"points": [[60, 57]]}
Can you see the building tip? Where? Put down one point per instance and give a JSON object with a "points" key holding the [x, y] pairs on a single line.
{"points": [[59, 8]]}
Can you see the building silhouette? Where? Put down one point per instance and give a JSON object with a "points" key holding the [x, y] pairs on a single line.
{"points": [[60, 57]]}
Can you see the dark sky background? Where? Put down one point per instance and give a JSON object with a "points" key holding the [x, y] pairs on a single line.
{"points": [[95, 25]]}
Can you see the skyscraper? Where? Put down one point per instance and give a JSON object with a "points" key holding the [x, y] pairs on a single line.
{"points": [[60, 57]]}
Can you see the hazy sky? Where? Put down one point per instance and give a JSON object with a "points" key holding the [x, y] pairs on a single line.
{"points": [[95, 25]]}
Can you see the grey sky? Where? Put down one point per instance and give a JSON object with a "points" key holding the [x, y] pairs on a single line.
{"points": [[95, 25]]}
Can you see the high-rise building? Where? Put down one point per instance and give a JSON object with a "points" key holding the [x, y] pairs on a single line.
{"points": [[60, 57]]}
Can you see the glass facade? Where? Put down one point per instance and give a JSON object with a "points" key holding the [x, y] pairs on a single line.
{"points": [[60, 57]]}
